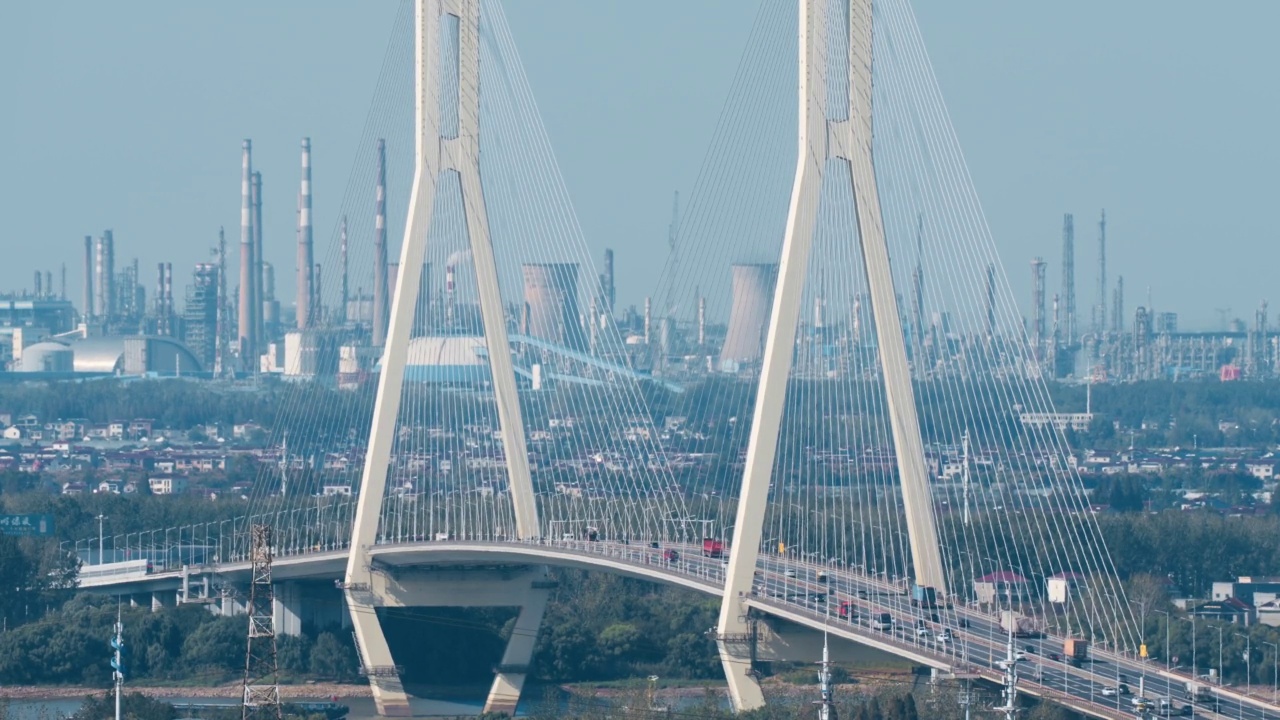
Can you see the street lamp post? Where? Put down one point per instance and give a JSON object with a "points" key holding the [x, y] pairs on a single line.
{"points": [[1275, 671], [100, 518], [1168, 620], [1219, 654], [1248, 663]]}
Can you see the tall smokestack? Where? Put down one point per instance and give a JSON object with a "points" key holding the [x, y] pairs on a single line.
{"points": [[380, 303], [1069, 278], [1117, 310], [259, 322], [306, 264], [702, 321], [48, 283], [38, 290], [342, 310], [63, 283], [164, 300], [245, 324], [448, 300], [648, 319], [104, 276], [610, 290], [917, 294], [991, 302], [317, 292], [593, 325], [86, 311], [1037, 308], [1100, 314]]}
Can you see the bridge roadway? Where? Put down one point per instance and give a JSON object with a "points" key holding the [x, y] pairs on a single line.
{"points": [[789, 589]]}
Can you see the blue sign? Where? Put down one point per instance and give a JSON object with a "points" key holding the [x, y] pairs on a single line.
{"points": [[34, 525]]}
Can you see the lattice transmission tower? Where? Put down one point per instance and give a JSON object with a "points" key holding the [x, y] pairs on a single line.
{"points": [[261, 683]]}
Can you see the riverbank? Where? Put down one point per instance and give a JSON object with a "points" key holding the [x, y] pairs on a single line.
{"points": [[231, 691]]}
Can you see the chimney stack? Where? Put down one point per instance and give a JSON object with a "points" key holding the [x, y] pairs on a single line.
{"points": [[255, 199], [317, 292], [63, 283], [38, 290], [245, 325], [86, 311], [380, 304], [342, 310], [306, 264], [610, 290], [702, 321]]}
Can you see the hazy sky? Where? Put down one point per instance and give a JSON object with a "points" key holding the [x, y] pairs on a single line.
{"points": [[130, 115]]}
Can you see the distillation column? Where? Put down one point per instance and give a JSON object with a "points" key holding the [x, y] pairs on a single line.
{"points": [[822, 138], [439, 150]]}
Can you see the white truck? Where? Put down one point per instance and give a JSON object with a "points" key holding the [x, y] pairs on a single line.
{"points": [[1021, 625], [1198, 692]]}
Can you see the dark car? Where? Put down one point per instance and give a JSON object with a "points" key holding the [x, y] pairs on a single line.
{"points": [[964, 623], [1055, 656]]}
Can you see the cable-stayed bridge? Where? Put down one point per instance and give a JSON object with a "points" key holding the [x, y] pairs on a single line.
{"points": [[838, 447]]}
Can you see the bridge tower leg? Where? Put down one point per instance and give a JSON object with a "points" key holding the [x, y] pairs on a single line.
{"points": [[826, 134], [509, 677], [453, 150]]}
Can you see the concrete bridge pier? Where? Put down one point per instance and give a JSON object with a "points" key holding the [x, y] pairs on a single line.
{"points": [[376, 662], [528, 588], [509, 676], [162, 599], [287, 607]]}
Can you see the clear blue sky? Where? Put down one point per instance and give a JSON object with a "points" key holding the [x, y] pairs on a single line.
{"points": [[130, 115]]}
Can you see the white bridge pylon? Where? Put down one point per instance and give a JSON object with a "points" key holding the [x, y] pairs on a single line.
{"points": [[438, 152], [826, 134]]}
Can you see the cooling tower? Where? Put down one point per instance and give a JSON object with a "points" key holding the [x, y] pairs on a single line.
{"points": [[749, 315], [551, 303]]}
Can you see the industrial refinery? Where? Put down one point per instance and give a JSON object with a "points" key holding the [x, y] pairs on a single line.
{"points": [[566, 325]]}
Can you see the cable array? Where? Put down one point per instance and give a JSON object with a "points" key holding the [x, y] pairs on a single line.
{"points": [[619, 455], [597, 464], [1010, 508]]}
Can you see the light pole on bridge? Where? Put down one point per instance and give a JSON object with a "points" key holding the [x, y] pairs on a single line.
{"points": [[1168, 620], [1275, 671], [1219, 654], [1248, 664], [100, 518]]}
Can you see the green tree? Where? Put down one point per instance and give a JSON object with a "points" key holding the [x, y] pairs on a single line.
{"points": [[331, 659], [218, 645]]}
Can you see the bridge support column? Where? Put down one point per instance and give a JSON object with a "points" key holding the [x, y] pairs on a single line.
{"points": [[509, 678], [437, 150], [287, 601], [376, 663], [163, 599]]}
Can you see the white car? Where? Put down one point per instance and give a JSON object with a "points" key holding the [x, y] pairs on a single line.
{"points": [[922, 632], [1019, 656], [790, 573], [1109, 691], [944, 637]]}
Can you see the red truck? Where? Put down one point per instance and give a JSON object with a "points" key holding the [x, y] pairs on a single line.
{"points": [[848, 611], [712, 548]]}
